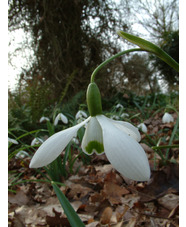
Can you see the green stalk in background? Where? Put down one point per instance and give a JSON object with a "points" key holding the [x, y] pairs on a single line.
{"points": [[150, 47]]}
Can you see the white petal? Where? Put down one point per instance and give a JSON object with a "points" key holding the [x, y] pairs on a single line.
{"points": [[56, 119], [128, 129], [93, 138], [54, 145], [123, 152], [63, 118], [78, 115]]}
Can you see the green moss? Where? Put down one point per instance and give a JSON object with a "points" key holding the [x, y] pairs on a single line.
{"points": [[94, 145]]}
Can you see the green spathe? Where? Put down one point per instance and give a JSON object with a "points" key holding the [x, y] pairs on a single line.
{"points": [[94, 100], [94, 146]]}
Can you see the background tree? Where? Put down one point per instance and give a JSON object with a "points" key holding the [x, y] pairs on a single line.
{"points": [[135, 74], [169, 44], [157, 17], [70, 38], [160, 19]]}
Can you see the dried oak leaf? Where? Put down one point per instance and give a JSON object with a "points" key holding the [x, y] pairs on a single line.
{"points": [[77, 191], [113, 192]]}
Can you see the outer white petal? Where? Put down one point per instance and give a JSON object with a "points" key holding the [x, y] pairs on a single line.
{"points": [[128, 129], [93, 138], [124, 153], [56, 119], [54, 145], [63, 118]]}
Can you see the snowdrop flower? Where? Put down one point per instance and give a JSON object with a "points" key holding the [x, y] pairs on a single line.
{"points": [[61, 117], [124, 115], [42, 119], [21, 154], [143, 127], [118, 139], [80, 114], [115, 117], [75, 140], [119, 106], [167, 118], [12, 141], [36, 141]]}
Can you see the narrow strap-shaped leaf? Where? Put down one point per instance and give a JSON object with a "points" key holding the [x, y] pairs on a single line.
{"points": [[150, 47], [68, 209]]}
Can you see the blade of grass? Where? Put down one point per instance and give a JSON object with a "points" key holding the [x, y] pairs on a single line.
{"points": [[165, 146], [172, 137], [43, 181], [68, 209], [31, 132]]}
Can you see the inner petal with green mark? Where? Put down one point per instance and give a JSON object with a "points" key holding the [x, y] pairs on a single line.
{"points": [[93, 138]]}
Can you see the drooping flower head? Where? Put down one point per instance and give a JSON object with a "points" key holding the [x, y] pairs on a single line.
{"points": [[36, 140], [143, 127], [12, 141], [118, 139], [43, 119], [61, 117], [167, 118], [80, 114]]}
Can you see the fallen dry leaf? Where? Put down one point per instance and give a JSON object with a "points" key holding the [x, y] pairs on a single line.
{"points": [[169, 201], [106, 216], [20, 198], [114, 192]]}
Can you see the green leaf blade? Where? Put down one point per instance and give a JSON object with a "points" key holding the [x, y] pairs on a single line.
{"points": [[150, 47], [68, 209]]}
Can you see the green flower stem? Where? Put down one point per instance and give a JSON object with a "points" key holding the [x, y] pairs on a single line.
{"points": [[110, 59]]}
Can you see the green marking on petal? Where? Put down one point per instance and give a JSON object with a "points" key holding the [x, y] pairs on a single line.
{"points": [[94, 146]]}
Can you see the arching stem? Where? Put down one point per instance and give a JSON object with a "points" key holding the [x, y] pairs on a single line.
{"points": [[110, 59]]}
